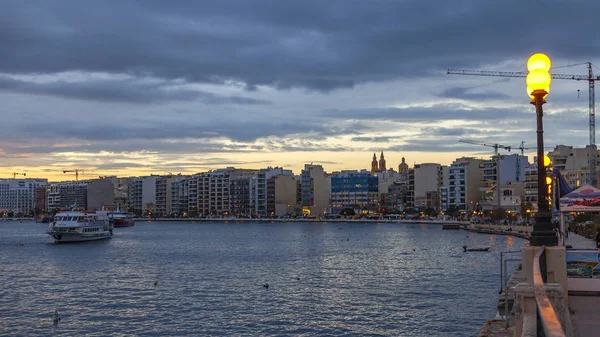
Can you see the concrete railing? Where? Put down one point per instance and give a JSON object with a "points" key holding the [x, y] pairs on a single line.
{"points": [[540, 305]]}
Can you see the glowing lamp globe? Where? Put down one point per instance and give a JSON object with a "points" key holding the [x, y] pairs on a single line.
{"points": [[538, 79], [548, 180], [538, 61], [547, 161]]}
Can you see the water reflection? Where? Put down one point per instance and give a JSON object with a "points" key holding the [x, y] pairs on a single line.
{"points": [[354, 279]]}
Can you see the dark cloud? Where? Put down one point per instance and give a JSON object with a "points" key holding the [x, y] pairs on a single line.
{"points": [[427, 145], [156, 129], [439, 112], [120, 91], [453, 132], [320, 45], [375, 139], [466, 94]]}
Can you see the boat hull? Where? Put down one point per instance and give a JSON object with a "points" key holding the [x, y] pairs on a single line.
{"points": [[123, 222], [79, 237]]}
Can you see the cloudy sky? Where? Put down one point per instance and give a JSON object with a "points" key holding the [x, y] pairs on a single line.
{"points": [[138, 87]]}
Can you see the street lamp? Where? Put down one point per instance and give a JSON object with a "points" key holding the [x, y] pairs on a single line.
{"points": [[538, 86]]}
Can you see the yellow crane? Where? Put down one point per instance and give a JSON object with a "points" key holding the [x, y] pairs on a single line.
{"points": [[76, 171]]}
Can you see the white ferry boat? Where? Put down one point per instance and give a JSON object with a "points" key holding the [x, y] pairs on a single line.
{"points": [[76, 226]]}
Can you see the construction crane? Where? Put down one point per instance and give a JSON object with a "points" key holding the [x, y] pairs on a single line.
{"points": [[76, 171], [592, 102], [15, 174], [489, 144]]}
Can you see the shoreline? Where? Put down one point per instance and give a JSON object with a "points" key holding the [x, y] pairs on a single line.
{"points": [[433, 222]]}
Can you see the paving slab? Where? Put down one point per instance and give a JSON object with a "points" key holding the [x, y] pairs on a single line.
{"points": [[585, 315], [578, 241]]}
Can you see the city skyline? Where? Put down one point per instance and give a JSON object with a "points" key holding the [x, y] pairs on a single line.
{"points": [[121, 88]]}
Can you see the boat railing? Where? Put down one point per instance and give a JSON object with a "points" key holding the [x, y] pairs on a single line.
{"points": [[547, 319]]}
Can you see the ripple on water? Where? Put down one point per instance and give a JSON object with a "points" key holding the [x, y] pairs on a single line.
{"points": [[355, 279]]}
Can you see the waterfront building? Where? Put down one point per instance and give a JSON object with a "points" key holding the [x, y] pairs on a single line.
{"points": [[567, 158], [163, 195], [428, 177], [19, 195], [394, 199], [100, 195], [121, 190], [134, 195], [40, 201], [315, 190], [531, 185], [444, 197], [502, 168], [180, 195], [464, 176], [573, 163], [258, 187], [142, 194], [281, 195], [68, 195], [192, 186], [241, 197], [388, 200], [356, 190], [149, 194], [409, 200], [512, 196], [213, 192]]}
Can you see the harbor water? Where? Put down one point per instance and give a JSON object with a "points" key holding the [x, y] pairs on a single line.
{"points": [[208, 279]]}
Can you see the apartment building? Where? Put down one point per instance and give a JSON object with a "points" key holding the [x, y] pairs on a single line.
{"points": [[68, 195], [101, 195], [464, 176], [356, 190], [281, 195], [19, 195], [428, 177], [315, 190], [241, 192], [180, 195]]}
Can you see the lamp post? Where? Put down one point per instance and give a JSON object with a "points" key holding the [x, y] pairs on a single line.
{"points": [[538, 86]]}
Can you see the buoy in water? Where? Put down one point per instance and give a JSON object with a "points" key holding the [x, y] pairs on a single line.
{"points": [[155, 283], [56, 317]]}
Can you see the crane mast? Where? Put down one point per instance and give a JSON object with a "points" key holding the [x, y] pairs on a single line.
{"points": [[592, 107], [593, 155]]}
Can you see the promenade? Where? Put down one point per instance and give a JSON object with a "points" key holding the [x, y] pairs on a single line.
{"points": [[584, 310]]}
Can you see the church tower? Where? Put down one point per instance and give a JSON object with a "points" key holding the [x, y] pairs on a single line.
{"points": [[381, 163], [403, 167], [374, 166]]}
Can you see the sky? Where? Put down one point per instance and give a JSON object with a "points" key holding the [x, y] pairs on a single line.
{"points": [[123, 88]]}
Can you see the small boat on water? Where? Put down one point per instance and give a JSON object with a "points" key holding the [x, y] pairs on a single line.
{"points": [[121, 219], [77, 226], [475, 249]]}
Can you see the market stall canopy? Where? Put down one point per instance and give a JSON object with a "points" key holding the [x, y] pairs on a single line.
{"points": [[584, 199]]}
